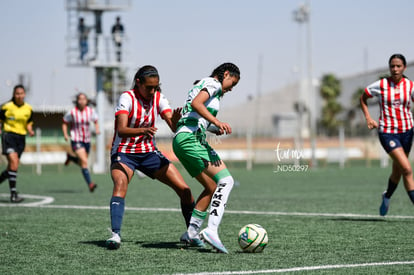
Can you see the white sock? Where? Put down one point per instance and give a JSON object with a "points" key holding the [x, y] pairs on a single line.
{"points": [[196, 221], [219, 201]]}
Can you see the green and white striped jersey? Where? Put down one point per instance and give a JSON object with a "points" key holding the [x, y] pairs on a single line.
{"points": [[191, 121]]}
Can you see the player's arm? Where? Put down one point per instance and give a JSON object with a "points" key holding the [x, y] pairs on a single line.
{"points": [[65, 130], [29, 128], [124, 131], [200, 108], [172, 118], [371, 123], [29, 125], [2, 118], [97, 128]]}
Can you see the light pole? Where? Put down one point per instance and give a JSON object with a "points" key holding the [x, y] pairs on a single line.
{"points": [[302, 15]]}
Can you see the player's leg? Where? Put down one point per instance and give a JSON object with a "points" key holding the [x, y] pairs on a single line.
{"points": [[169, 175], [82, 155], [393, 181], [12, 167], [199, 213], [5, 174], [70, 157], [399, 156], [121, 175], [225, 183], [392, 145]]}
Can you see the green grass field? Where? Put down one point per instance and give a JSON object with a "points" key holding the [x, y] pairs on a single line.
{"points": [[325, 218]]}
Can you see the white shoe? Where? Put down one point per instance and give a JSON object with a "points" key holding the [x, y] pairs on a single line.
{"points": [[213, 239], [114, 242]]}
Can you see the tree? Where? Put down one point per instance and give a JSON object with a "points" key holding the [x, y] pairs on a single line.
{"points": [[330, 91]]}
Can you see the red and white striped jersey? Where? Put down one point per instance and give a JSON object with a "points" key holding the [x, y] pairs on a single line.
{"points": [[141, 114], [395, 104], [79, 122]]}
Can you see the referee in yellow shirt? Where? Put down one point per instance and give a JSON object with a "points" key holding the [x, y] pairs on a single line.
{"points": [[16, 119]]}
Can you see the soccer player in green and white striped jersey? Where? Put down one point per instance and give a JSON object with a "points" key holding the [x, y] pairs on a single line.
{"points": [[199, 159]]}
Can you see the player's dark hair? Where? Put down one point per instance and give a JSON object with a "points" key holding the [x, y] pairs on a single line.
{"points": [[18, 86], [399, 56], [143, 73], [220, 70], [75, 101]]}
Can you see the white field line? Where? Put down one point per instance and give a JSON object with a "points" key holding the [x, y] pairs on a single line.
{"points": [[304, 268], [45, 202]]}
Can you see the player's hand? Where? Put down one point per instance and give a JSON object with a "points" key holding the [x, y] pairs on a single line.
{"points": [[31, 133], [150, 131], [371, 124], [176, 115], [224, 128], [215, 160]]}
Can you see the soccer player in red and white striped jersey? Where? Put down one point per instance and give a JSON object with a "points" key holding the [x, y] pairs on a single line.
{"points": [[395, 127], [79, 119], [133, 147]]}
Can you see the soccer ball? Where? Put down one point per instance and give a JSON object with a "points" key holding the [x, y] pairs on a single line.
{"points": [[252, 238]]}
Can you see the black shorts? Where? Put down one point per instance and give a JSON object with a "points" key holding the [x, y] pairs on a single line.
{"points": [[79, 144], [12, 142], [147, 163], [391, 141]]}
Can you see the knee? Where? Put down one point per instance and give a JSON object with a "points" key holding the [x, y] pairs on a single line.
{"points": [[14, 166], [83, 163], [210, 189], [407, 171], [227, 182], [120, 186], [120, 189]]}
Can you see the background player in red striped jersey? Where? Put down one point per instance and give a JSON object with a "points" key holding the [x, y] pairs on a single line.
{"points": [[395, 127], [133, 147], [79, 120]]}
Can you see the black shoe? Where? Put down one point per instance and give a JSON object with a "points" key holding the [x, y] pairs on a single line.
{"points": [[14, 198]]}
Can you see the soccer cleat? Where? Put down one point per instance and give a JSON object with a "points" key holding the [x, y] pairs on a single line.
{"points": [[92, 187], [14, 197], [213, 239], [192, 242], [114, 242], [67, 159], [384, 205]]}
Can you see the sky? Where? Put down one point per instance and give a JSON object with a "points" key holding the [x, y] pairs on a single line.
{"points": [[187, 39]]}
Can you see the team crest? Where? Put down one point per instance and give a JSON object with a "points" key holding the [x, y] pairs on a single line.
{"points": [[392, 144]]}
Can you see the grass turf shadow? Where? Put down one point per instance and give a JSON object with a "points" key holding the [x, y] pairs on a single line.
{"points": [[173, 245]]}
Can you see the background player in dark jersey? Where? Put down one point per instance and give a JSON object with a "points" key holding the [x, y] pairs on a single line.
{"points": [[16, 119]]}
